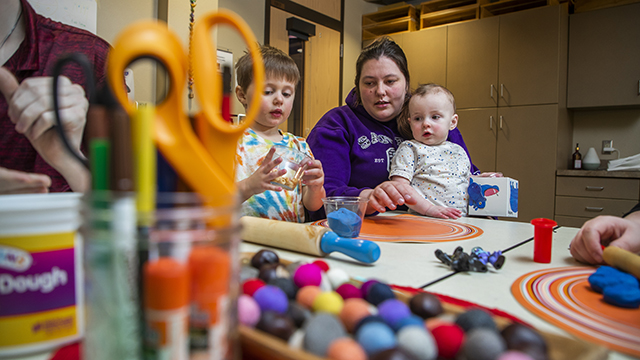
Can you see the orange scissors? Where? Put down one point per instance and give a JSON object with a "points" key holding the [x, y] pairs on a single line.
{"points": [[210, 173]]}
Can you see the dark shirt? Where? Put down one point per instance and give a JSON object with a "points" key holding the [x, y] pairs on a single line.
{"points": [[45, 40]]}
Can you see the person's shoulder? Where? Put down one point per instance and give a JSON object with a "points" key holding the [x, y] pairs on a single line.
{"points": [[70, 34]]}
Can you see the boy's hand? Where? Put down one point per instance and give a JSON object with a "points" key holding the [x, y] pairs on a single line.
{"points": [[443, 212], [260, 180], [314, 175]]}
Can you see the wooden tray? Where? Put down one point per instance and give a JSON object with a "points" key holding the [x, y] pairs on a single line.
{"points": [[259, 345]]}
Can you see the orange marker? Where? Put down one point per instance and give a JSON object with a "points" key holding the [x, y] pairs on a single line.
{"points": [[210, 269], [166, 302]]}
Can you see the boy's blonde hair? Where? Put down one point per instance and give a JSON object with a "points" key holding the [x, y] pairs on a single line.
{"points": [[404, 123], [276, 64]]}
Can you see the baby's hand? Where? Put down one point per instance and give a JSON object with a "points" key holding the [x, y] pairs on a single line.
{"points": [[314, 175], [444, 212]]}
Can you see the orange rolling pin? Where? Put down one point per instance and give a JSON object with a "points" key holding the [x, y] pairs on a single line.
{"points": [[622, 259], [304, 238]]}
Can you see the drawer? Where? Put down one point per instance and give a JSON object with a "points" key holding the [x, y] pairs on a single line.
{"points": [[592, 207], [611, 188], [570, 221]]}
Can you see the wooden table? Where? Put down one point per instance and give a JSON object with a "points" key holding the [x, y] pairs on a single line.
{"points": [[410, 264]]}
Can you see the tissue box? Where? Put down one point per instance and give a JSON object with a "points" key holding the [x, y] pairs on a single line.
{"points": [[493, 196]]}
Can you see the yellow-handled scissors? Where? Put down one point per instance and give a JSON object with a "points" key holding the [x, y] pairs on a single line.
{"points": [[211, 174]]}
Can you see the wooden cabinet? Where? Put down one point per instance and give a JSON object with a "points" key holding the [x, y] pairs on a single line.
{"points": [[426, 52], [604, 53], [508, 60], [582, 195]]}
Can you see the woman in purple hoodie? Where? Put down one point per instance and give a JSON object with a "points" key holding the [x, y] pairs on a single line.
{"points": [[356, 142]]}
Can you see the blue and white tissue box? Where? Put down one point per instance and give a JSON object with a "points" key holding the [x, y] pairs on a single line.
{"points": [[493, 196]]}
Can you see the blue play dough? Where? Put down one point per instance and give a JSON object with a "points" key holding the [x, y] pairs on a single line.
{"points": [[345, 223], [618, 287]]}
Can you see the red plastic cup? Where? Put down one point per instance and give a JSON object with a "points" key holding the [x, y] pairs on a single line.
{"points": [[542, 234]]}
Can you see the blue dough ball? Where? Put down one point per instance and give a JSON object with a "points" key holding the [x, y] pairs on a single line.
{"points": [[411, 320], [622, 295], [367, 319], [608, 276], [270, 297], [345, 223], [392, 311], [375, 337], [378, 293], [476, 318]]}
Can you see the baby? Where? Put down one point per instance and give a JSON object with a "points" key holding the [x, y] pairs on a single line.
{"points": [[438, 170]]}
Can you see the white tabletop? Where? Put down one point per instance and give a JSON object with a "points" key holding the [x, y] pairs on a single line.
{"points": [[414, 265]]}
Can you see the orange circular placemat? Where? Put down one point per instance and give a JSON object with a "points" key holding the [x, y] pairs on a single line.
{"points": [[411, 228], [563, 297]]}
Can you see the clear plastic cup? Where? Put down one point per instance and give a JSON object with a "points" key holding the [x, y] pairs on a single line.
{"points": [[294, 162], [345, 214]]}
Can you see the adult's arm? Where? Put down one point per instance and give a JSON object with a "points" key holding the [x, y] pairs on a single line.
{"points": [[456, 137]]}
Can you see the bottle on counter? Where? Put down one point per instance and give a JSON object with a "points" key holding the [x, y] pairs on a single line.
{"points": [[577, 159]]}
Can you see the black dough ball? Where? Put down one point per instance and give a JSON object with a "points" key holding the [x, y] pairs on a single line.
{"points": [[425, 305], [298, 313], [392, 354], [286, 284], [264, 257], [525, 339], [269, 272], [475, 318], [276, 324]]}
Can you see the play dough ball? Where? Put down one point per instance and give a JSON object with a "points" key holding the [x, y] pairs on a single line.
{"points": [[365, 287], [286, 285], [307, 295], [263, 257], [330, 302], [607, 276], [515, 355], [322, 265], [449, 338], [378, 293], [248, 272], [354, 310], [344, 222], [483, 344], [523, 338], [248, 311], [320, 331], [476, 318], [425, 305], [346, 349], [276, 324], [392, 311], [337, 277], [418, 342], [411, 320], [250, 286], [271, 298], [348, 291], [622, 296], [307, 274], [375, 336]]}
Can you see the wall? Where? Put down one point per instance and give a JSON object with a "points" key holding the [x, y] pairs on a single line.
{"points": [[353, 11], [590, 127]]}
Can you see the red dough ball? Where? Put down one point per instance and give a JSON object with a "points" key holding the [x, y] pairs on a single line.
{"points": [[251, 286], [307, 274], [349, 291], [322, 265], [449, 338]]}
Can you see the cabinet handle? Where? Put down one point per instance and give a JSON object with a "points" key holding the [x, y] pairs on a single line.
{"points": [[638, 87], [492, 92], [502, 91], [594, 188], [500, 122], [491, 122], [593, 208]]}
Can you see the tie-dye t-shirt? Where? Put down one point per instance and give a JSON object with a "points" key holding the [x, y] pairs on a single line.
{"points": [[439, 173], [279, 205]]}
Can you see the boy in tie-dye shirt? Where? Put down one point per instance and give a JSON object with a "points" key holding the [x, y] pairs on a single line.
{"points": [[255, 162]]}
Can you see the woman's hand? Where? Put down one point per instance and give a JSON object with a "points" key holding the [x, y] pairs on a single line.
{"points": [[490, 174], [390, 194], [30, 108], [18, 182], [586, 246], [260, 180]]}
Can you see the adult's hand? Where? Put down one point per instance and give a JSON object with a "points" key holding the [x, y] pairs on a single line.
{"points": [[608, 231], [490, 174], [30, 108], [18, 182], [389, 194]]}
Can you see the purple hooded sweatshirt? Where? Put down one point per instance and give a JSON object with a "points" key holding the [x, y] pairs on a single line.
{"points": [[356, 150]]}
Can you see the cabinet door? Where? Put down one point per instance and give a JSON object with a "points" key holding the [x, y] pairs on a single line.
{"points": [[529, 54], [604, 57], [472, 62], [426, 52], [478, 128], [526, 151]]}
